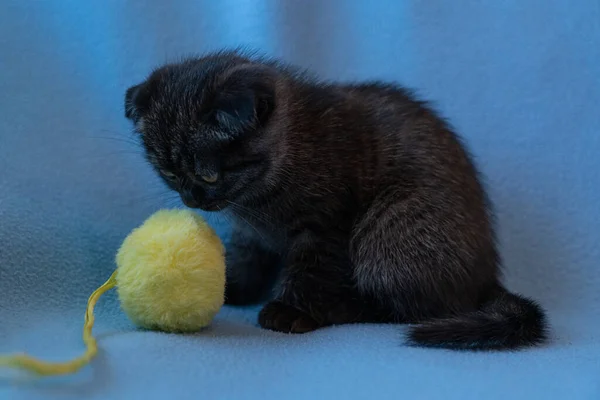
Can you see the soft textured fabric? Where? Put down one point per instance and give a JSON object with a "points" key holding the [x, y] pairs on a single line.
{"points": [[520, 79]]}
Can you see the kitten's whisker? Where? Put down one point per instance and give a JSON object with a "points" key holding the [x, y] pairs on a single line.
{"points": [[223, 216], [116, 139], [240, 208], [133, 140], [101, 155], [162, 196], [261, 217], [253, 227], [120, 134], [173, 205], [211, 217]]}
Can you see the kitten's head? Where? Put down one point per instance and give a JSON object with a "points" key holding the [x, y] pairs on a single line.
{"points": [[205, 127]]}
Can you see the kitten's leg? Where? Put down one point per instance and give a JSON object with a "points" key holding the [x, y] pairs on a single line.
{"points": [[417, 259], [316, 289], [251, 270]]}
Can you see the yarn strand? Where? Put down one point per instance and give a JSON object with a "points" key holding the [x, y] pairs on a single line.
{"points": [[44, 368]]}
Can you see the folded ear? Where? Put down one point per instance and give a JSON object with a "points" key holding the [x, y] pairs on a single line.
{"points": [[245, 98], [136, 101]]}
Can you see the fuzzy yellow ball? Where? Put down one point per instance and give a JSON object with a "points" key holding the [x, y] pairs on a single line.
{"points": [[171, 272], [170, 276]]}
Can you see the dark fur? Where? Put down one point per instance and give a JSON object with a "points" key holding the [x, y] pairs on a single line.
{"points": [[364, 195]]}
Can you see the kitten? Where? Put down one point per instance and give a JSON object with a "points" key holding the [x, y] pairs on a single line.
{"points": [[358, 197]]}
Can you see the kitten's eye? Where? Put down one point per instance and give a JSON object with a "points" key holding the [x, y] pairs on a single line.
{"points": [[212, 178], [167, 174]]}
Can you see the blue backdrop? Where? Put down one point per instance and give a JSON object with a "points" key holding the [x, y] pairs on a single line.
{"points": [[520, 79]]}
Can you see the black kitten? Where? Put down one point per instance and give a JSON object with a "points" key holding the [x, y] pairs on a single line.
{"points": [[366, 198]]}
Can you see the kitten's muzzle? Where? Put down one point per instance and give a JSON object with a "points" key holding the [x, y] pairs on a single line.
{"points": [[192, 201], [214, 205], [189, 201]]}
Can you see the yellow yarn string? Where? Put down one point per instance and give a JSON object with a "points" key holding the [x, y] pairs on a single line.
{"points": [[28, 363]]}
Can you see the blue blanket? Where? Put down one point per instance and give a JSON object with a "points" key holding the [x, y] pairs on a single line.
{"points": [[519, 79]]}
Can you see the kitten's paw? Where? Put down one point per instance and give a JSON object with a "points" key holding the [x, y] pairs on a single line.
{"points": [[281, 317]]}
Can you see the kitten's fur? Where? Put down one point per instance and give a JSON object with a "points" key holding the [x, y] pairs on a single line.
{"points": [[366, 198]]}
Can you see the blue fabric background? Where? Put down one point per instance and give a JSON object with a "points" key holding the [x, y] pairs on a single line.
{"points": [[520, 79]]}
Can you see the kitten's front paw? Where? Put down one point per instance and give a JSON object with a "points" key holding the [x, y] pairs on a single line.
{"points": [[281, 317]]}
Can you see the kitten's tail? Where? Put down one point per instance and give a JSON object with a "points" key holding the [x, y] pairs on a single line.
{"points": [[508, 321]]}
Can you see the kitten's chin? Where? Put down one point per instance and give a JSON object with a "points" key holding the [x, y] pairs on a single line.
{"points": [[213, 207], [208, 206]]}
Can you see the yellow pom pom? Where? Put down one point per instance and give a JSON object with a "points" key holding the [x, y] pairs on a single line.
{"points": [[170, 277], [171, 272]]}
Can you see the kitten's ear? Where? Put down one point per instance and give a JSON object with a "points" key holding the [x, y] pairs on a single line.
{"points": [[136, 101], [246, 97]]}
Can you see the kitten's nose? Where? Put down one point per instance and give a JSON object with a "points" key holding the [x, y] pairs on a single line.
{"points": [[188, 199]]}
